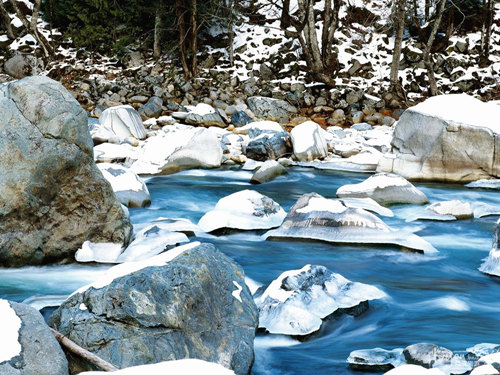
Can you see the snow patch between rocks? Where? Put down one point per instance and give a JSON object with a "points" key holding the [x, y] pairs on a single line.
{"points": [[10, 325]]}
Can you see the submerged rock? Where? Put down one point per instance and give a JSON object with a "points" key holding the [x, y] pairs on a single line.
{"points": [[452, 138], [244, 210], [53, 198], [189, 302], [297, 301], [376, 359], [179, 367], [314, 217], [129, 188], [28, 346], [385, 189]]}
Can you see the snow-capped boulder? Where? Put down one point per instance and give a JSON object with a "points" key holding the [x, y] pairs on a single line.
{"points": [[483, 349], [179, 367], [490, 359], [129, 188], [314, 217], [151, 241], [244, 210], [204, 115], [453, 138], [179, 149], [268, 172], [385, 189], [189, 302], [457, 209], [491, 265], [297, 301], [27, 345], [104, 252], [414, 370], [376, 359], [308, 141], [113, 153], [270, 109], [484, 370], [123, 121], [426, 355], [53, 197]]}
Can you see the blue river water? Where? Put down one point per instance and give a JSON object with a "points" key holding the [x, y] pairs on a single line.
{"points": [[440, 298]]}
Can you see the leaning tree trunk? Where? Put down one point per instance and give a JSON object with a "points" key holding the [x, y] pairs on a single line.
{"points": [[231, 32], [488, 21], [181, 25], [399, 23], [193, 40], [433, 89], [32, 28], [6, 21]]}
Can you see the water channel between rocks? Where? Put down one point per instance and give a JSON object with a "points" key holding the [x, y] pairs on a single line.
{"points": [[440, 298]]}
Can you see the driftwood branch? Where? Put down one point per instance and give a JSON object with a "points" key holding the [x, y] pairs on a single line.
{"points": [[85, 354]]}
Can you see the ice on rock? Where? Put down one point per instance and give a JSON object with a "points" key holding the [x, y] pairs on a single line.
{"points": [[297, 301], [98, 252], [10, 324], [244, 210], [314, 217], [376, 359]]}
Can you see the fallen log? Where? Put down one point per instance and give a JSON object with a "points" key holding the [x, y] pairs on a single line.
{"points": [[84, 353]]}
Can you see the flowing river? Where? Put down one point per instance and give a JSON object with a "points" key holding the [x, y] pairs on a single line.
{"points": [[442, 298]]}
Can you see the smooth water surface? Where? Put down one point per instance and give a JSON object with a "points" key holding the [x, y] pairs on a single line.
{"points": [[441, 298]]}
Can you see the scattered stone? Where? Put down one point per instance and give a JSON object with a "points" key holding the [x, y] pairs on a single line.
{"points": [[426, 355], [240, 118], [153, 108], [268, 146], [270, 109], [385, 189], [204, 115], [297, 301], [244, 210], [460, 210]]}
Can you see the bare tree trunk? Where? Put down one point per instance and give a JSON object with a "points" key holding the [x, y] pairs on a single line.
{"points": [[182, 37], [231, 32], [399, 22], [83, 353], [157, 35], [427, 10], [285, 15], [487, 35], [6, 21], [194, 38], [32, 28], [433, 89]]}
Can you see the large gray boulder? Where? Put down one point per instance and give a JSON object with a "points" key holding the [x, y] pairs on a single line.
{"points": [[28, 346], [190, 302], [122, 122], [452, 138], [314, 217], [52, 196], [266, 146], [20, 66], [270, 109]]}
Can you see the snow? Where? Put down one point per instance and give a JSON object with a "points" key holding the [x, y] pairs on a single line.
{"points": [[483, 349], [201, 109], [367, 204], [414, 370], [237, 293], [245, 210], [461, 109], [178, 367], [489, 359], [484, 370], [10, 325], [260, 125], [252, 285], [121, 178], [130, 267], [323, 204], [491, 265], [82, 307], [98, 252], [123, 121]]}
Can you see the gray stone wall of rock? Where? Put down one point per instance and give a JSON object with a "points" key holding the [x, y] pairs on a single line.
{"points": [[52, 196], [195, 306], [40, 352], [434, 148]]}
